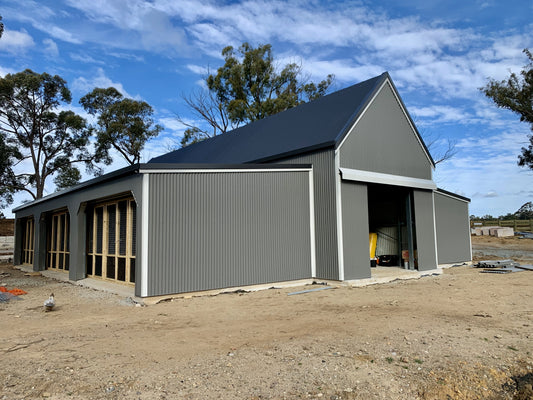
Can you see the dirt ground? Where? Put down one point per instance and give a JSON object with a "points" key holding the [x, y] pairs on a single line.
{"points": [[459, 335]]}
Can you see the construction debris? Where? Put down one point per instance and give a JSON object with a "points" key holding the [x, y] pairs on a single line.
{"points": [[504, 270], [311, 290], [502, 266], [496, 264], [497, 231]]}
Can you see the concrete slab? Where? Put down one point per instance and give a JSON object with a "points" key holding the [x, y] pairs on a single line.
{"points": [[379, 275], [110, 287], [485, 231], [504, 232], [389, 274], [249, 288]]}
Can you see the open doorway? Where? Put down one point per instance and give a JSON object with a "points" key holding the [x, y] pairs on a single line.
{"points": [[391, 226]]}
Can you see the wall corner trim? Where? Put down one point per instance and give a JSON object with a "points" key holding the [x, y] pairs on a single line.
{"points": [[144, 236]]}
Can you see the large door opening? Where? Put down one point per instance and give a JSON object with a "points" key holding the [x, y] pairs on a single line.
{"points": [[392, 226]]}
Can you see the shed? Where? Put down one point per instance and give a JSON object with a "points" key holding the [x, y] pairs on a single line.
{"points": [[292, 196]]}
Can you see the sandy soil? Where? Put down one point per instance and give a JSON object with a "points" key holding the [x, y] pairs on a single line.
{"points": [[460, 335]]}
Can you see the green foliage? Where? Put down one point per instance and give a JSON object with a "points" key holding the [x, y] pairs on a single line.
{"points": [[123, 124], [525, 212], [68, 176], [248, 87], [8, 157], [35, 131], [516, 94], [192, 135]]}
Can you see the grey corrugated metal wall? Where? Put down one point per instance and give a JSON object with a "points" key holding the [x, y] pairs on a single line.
{"points": [[425, 229], [383, 141], [355, 230], [325, 210], [453, 229], [212, 230]]}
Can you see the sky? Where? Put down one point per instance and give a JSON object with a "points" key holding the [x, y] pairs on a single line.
{"points": [[438, 53]]}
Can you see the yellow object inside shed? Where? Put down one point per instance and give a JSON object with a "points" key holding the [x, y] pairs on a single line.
{"points": [[373, 239]]}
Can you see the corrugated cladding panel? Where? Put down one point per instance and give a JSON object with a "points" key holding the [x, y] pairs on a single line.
{"points": [[387, 242], [355, 230], [425, 230], [325, 210], [221, 229], [383, 141], [453, 230]]}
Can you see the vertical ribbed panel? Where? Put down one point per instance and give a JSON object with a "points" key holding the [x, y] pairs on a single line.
{"points": [[387, 241], [355, 230], [325, 210], [453, 229], [384, 141], [425, 230], [220, 229]]}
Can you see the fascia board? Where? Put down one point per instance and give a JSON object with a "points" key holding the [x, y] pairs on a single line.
{"points": [[386, 179]]}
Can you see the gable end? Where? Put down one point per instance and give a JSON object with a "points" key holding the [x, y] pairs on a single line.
{"points": [[384, 139]]}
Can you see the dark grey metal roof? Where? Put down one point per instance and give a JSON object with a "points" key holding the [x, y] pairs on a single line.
{"points": [[141, 168], [318, 124], [457, 196], [129, 170]]}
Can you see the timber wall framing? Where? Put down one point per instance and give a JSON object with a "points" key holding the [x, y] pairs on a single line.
{"points": [[76, 203]]}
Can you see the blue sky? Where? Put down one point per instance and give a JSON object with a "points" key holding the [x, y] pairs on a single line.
{"points": [[439, 53]]}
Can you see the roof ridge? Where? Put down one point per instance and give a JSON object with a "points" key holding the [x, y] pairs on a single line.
{"points": [[319, 122]]}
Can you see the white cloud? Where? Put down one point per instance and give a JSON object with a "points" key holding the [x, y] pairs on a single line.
{"points": [[153, 30], [16, 42], [127, 56], [50, 48], [198, 69], [439, 114], [483, 162], [4, 71], [344, 70], [84, 85], [58, 33], [85, 58]]}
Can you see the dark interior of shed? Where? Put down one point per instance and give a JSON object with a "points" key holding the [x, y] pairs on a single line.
{"points": [[391, 218]]}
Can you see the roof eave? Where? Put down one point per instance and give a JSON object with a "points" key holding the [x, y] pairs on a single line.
{"points": [[129, 170]]}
